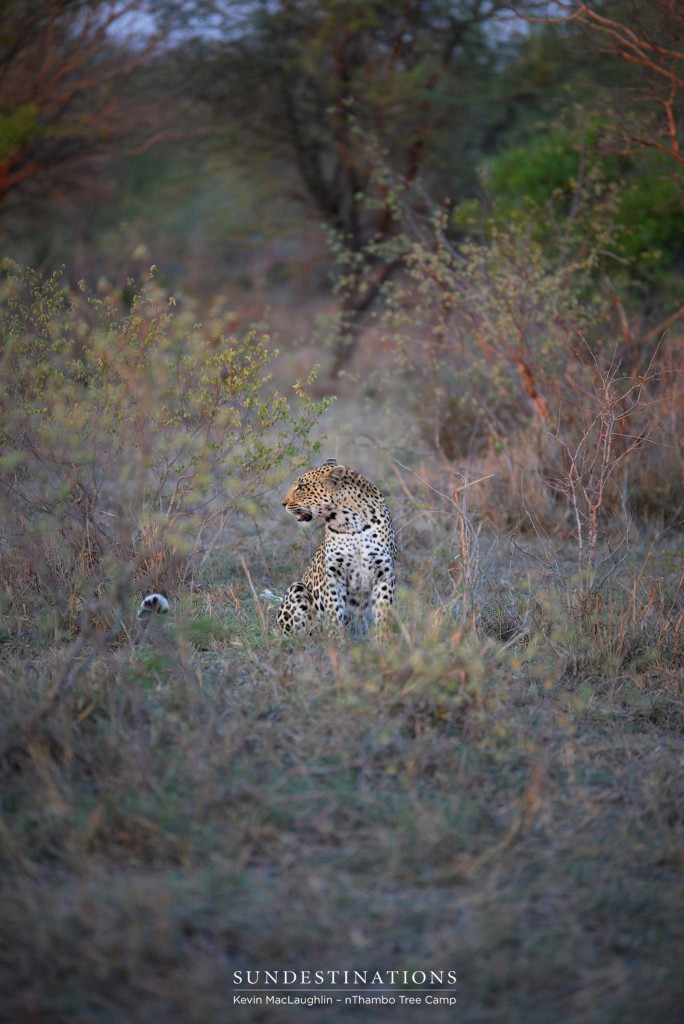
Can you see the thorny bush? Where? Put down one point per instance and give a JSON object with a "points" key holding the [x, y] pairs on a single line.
{"points": [[126, 438]]}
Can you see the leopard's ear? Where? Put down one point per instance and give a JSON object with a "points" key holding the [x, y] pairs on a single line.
{"points": [[333, 473]]}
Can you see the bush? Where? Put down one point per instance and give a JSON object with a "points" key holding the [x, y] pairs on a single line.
{"points": [[126, 439], [572, 186]]}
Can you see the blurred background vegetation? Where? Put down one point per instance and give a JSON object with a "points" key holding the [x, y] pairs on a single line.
{"points": [[226, 141]]}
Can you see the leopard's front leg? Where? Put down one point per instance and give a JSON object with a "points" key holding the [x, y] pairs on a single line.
{"points": [[295, 616], [335, 604], [381, 600]]}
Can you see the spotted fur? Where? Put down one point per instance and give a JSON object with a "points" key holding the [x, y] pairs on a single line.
{"points": [[351, 578]]}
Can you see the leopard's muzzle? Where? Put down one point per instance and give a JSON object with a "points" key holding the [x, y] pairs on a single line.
{"points": [[303, 515]]}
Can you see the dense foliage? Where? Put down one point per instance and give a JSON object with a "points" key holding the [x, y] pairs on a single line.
{"points": [[126, 438]]}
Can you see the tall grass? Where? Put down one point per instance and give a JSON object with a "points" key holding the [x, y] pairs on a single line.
{"points": [[217, 799]]}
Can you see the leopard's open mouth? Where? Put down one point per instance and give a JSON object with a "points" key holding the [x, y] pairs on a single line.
{"points": [[301, 514]]}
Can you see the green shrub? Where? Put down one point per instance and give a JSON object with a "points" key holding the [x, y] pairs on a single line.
{"points": [[572, 181], [127, 439]]}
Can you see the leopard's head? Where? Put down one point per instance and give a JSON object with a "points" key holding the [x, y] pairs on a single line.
{"points": [[312, 494]]}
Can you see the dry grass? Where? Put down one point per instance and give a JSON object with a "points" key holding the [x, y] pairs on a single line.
{"points": [[498, 791]]}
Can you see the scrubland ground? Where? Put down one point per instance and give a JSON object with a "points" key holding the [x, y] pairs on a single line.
{"points": [[497, 791]]}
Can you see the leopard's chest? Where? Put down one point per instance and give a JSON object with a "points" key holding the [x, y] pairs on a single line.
{"points": [[356, 560]]}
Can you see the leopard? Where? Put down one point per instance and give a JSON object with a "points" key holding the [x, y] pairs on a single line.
{"points": [[352, 577]]}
